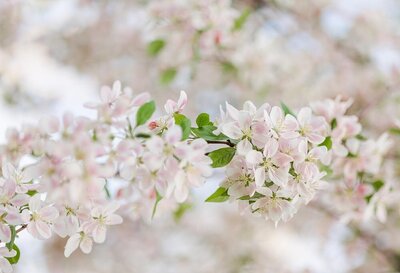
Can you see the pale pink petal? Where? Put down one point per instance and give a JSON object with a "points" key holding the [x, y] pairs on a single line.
{"points": [[281, 159], [72, 245], [276, 115], [49, 214], [174, 134], [181, 190], [231, 130], [35, 203], [243, 147], [304, 116], [43, 229], [254, 157], [5, 233], [5, 265], [99, 234], [232, 111], [278, 175], [86, 245], [271, 147], [259, 176]]}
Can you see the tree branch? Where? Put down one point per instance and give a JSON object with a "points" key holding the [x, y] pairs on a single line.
{"points": [[228, 142]]}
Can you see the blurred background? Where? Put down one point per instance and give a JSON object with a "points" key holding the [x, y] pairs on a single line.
{"points": [[55, 55]]}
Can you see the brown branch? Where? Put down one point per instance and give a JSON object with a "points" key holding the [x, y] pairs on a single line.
{"points": [[21, 228], [228, 142]]}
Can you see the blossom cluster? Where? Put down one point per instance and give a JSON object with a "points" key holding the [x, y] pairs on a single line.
{"points": [[56, 176], [77, 176], [283, 159]]}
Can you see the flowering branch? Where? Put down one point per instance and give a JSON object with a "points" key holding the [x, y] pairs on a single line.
{"points": [[275, 161]]}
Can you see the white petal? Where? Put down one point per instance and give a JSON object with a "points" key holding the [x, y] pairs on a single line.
{"points": [[72, 245]]}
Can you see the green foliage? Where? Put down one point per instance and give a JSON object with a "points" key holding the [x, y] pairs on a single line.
{"points": [[377, 185], [184, 123], [241, 20], [155, 47], [327, 143], [168, 75], [333, 123], [145, 112], [287, 110], [206, 132], [229, 68], [220, 195], [203, 120], [222, 157], [394, 131], [181, 210], [32, 192]]}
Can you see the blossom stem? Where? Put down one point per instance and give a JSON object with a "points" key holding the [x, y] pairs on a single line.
{"points": [[228, 142]]}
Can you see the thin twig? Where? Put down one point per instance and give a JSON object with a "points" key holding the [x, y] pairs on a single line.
{"points": [[228, 142]]}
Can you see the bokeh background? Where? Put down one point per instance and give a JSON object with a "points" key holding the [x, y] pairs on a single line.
{"points": [[55, 55]]}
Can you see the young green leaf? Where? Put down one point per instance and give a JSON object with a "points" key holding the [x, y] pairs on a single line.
{"points": [[327, 143], [394, 131], [287, 110], [206, 133], [155, 47], [222, 157], [203, 119], [145, 112], [377, 185], [167, 76], [220, 195], [185, 124], [241, 20]]}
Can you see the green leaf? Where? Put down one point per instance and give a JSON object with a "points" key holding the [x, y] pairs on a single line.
{"points": [[185, 124], [158, 199], [378, 184], [180, 211], [32, 192], [229, 68], [394, 131], [241, 20], [15, 259], [220, 195], [333, 123], [326, 169], [287, 110], [327, 143], [203, 119], [155, 47], [167, 76], [206, 133], [222, 157], [145, 112]]}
